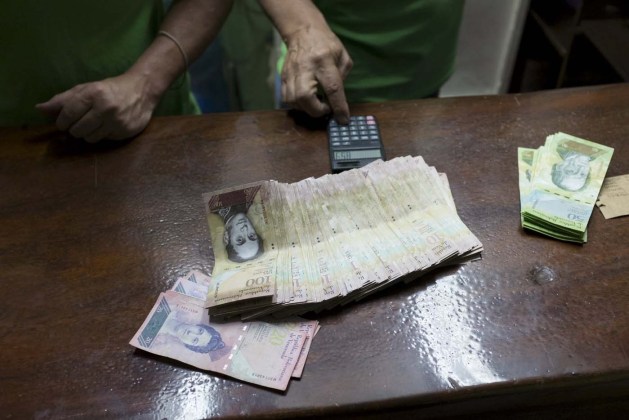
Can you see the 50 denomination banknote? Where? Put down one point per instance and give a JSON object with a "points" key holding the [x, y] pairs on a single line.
{"points": [[566, 175], [178, 327]]}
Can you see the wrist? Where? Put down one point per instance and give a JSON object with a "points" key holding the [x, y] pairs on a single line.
{"points": [[149, 84], [159, 67]]}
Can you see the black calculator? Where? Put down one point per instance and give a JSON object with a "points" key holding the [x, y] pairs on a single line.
{"points": [[355, 144]]}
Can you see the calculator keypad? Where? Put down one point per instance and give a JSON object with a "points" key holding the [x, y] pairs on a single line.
{"points": [[362, 131]]}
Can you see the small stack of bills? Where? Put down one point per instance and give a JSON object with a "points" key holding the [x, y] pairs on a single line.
{"points": [[559, 184], [263, 353]]}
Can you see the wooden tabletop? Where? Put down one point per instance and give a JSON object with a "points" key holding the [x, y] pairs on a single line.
{"points": [[92, 234]]}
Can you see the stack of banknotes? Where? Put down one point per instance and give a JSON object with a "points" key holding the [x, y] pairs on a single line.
{"points": [[288, 249], [559, 184], [263, 353]]}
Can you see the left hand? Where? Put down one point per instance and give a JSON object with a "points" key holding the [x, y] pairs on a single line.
{"points": [[115, 108]]}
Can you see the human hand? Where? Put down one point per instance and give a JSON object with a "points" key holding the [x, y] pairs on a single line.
{"points": [[316, 57], [115, 108]]}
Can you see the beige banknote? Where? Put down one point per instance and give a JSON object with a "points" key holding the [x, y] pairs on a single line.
{"points": [[310, 329], [350, 188], [396, 207], [336, 238], [244, 241]]}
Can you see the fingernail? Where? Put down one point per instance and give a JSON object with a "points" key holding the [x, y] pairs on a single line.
{"points": [[342, 119]]}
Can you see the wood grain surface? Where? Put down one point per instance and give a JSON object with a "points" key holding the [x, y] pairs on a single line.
{"points": [[90, 235]]}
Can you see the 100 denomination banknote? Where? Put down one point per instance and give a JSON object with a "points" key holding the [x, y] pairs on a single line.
{"points": [[244, 241], [333, 239], [178, 327]]}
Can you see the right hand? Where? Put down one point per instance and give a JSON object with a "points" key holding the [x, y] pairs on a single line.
{"points": [[115, 108], [316, 57]]}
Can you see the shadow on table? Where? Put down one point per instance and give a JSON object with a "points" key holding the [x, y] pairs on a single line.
{"points": [[62, 144]]}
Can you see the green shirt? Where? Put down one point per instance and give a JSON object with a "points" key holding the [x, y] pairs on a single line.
{"points": [[401, 49], [51, 46]]}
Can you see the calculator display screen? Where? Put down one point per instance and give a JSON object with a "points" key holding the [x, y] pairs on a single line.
{"points": [[357, 154]]}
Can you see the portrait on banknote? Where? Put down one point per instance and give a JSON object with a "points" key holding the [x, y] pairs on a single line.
{"points": [[571, 174], [179, 328], [236, 213], [195, 337]]}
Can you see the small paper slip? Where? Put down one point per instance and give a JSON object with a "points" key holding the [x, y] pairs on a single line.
{"points": [[613, 201]]}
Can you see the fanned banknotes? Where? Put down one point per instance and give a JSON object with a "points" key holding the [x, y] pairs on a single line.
{"points": [[559, 183], [263, 353], [287, 249]]}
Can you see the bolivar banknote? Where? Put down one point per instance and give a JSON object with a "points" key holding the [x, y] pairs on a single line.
{"points": [[178, 327], [525, 172], [331, 240], [191, 289], [567, 175], [310, 329], [196, 276], [244, 243]]}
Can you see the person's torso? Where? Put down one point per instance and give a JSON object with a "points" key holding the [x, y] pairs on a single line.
{"points": [[51, 46], [401, 50]]}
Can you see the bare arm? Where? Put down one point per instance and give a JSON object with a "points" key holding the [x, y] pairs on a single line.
{"points": [[315, 57], [121, 106]]}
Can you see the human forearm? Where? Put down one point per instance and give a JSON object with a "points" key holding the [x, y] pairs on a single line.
{"points": [[292, 16], [194, 24], [121, 106]]}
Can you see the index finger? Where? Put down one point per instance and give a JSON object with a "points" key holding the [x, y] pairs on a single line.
{"points": [[332, 84], [72, 111], [51, 107]]}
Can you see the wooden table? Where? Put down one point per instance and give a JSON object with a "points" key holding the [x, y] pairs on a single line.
{"points": [[91, 236]]}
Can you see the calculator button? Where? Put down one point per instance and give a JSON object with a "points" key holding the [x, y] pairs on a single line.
{"points": [[369, 117], [336, 143], [373, 137], [371, 122], [344, 138], [364, 137], [345, 143]]}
